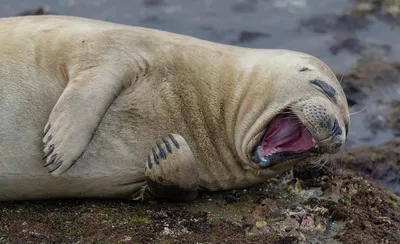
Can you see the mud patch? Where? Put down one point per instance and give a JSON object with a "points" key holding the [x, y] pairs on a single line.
{"points": [[109, 221]]}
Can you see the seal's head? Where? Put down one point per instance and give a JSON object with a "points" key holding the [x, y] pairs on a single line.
{"points": [[295, 109]]}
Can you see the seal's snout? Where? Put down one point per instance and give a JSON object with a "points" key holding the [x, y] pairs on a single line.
{"points": [[322, 120], [338, 137], [307, 130]]}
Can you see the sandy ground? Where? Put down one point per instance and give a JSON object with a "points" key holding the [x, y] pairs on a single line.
{"points": [[351, 198]]}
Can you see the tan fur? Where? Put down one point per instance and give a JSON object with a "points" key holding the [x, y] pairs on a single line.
{"points": [[218, 97]]}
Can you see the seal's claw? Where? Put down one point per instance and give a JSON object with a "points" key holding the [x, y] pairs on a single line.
{"points": [[58, 145], [163, 149], [149, 163], [155, 155], [162, 152], [51, 160], [58, 165], [47, 128], [167, 145], [174, 141], [51, 149], [174, 174]]}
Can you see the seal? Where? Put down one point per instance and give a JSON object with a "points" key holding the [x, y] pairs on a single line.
{"points": [[102, 110]]}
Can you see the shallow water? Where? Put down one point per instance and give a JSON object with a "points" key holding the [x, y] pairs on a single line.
{"points": [[304, 25]]}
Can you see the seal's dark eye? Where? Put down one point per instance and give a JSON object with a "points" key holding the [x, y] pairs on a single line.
{"points": [[304, 69], [327, 89]]}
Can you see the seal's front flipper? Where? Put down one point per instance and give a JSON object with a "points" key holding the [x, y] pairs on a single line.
{"points": [[76, 115], [171, 170]]}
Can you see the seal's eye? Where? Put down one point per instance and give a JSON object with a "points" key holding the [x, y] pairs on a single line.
{"points": [[304, 69], [324, 87]]}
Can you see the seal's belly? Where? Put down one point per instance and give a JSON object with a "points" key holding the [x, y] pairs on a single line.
{"points": [[26, 100]]}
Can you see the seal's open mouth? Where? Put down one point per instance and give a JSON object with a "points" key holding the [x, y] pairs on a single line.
{"points": [[285, 138]]}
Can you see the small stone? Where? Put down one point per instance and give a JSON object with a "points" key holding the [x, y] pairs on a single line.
{"points": [[126, 239], [291, 223], [260, 228], [307, 223], [261, 224], [332, 192], [325, 178], [266, 208], [385, 220]]}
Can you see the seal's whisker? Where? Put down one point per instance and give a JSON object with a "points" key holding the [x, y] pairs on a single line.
{"points": [[322, 162], [317, 162], [340, 82], [359, 111], [341, 79], [351, 108]]}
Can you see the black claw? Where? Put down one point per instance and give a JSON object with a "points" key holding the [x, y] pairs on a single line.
{"points": [[167, 145], [156, 159], [51, 148], [174, 141], [149, 164], [52, 159], [162, 152], [58, 165], [46, 130]]}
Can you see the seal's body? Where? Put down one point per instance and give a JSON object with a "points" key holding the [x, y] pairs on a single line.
{"points": [[87, 99]]}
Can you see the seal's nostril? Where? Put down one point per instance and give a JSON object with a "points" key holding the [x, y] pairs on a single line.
{"points": [[336, 130]]}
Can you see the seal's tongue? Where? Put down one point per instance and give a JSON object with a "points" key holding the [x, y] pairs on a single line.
{"points": [[286, 133]]}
